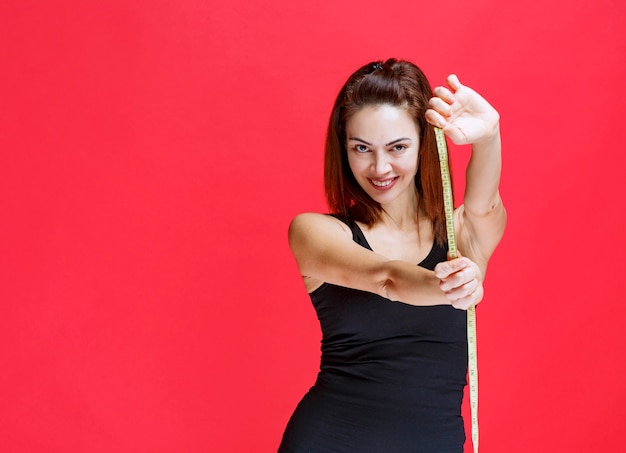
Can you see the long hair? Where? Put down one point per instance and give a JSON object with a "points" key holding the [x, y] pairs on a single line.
{"points": [[400, 84]]}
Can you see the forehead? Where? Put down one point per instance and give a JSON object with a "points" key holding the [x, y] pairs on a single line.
{"points": [[381, 123]]}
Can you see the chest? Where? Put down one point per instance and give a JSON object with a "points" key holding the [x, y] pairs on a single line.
{"points": [[410, 245]]}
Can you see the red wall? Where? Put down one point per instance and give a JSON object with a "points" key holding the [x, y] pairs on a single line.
{"points": [[153, 153]]}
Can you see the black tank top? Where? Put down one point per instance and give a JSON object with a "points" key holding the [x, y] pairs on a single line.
{"points": [[391, 375]]}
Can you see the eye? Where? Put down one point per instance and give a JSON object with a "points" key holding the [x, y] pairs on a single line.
{"points": [[399, 147], [360, 148]]}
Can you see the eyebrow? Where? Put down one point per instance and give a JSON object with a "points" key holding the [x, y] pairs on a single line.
{"points": [[393, 142]]}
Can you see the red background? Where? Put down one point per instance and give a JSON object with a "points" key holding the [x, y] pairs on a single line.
{"points": [[154, 152]]}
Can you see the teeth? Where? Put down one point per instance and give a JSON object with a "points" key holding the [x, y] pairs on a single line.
{"points": [[382, 183]]}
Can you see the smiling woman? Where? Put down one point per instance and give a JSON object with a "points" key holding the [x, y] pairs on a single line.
{"points": [[384, 161], [391, 308]]}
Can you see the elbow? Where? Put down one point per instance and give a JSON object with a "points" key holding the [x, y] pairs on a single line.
{"points": [[387, 281], [384, 289], [490, 208]]}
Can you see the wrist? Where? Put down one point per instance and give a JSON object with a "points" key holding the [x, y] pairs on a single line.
{"points": [[490, 140]]}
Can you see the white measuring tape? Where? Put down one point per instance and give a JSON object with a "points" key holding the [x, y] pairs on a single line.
{"points": [[471, 311]]}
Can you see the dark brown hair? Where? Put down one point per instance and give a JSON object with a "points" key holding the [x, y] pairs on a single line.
{"points": [[400, 84]]}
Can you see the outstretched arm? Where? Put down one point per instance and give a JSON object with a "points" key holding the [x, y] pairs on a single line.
{"points": [[467, 118], [324, 250]]}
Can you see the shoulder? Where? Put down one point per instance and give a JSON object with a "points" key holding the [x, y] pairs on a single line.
{"points": [[312, 222]]}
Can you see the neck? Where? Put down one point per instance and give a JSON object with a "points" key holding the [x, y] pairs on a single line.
{"points": [[402, 213]]}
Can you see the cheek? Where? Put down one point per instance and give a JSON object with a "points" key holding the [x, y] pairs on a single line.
{"points": [[410, 164]]}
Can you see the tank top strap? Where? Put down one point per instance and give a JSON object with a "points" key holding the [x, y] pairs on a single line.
{"points": [[437, 254], [357, 233]]}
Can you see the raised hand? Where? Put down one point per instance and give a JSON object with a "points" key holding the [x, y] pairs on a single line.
{"points": [[464, 115]]}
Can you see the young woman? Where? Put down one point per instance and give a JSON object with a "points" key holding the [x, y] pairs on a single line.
{"points": [[391, 307]]}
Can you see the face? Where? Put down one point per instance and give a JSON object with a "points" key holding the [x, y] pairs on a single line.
{"points": [[383, 144]]}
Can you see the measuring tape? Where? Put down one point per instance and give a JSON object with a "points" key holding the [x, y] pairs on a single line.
{"points": [[448, 207]]}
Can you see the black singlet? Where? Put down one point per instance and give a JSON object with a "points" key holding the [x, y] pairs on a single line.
{"points": [[391, 376]]}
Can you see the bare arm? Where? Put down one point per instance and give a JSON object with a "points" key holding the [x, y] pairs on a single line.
{"points": [[324, 250], [467, 118]]}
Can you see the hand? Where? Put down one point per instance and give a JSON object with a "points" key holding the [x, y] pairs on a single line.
{"points": [[464, 115], [462, 281]]}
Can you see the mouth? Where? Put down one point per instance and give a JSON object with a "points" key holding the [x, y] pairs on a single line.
{"points": [[384, 184]]}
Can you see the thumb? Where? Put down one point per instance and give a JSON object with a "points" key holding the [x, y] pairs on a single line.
{"points": [[447, 268]]}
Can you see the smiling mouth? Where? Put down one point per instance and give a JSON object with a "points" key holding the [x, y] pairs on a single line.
{"points": [[383, 184]]}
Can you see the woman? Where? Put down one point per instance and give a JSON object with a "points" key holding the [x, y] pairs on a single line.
{"points": [[394, 347]]}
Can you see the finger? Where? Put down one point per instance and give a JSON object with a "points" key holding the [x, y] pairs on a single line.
{"points": [[435, 118], [440, 106], [455, 134], [447, 268], [465, 303], [461, 294], [453, 82], [458, 280], [445, 94], [471, 299], [462, 290]]}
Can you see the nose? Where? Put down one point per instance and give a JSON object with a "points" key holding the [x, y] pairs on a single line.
{"points": [[381, 163]]}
